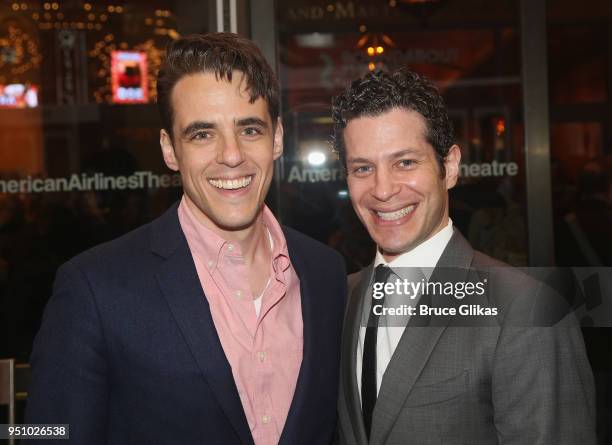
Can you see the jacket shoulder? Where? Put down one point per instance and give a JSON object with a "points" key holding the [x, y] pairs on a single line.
{"points": [[119, 260], [353, 279], [310, 246]]}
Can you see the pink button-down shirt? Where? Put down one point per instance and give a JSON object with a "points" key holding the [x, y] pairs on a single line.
{"points": [[265, 352]]}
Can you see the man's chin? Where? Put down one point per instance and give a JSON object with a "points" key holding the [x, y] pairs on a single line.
{"points": [[238, 222], [395, 249]]}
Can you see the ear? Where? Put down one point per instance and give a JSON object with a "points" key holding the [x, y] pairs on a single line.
{"points": [[278, 139], [168, 151], [451, 164]]}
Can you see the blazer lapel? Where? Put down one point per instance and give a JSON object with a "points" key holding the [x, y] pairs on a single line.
{"points": [[415, 346], [180, 285], [350, 338], [306, 380]]}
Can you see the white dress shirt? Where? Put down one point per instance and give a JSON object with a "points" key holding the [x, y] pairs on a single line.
{"points": [[425, 255]]}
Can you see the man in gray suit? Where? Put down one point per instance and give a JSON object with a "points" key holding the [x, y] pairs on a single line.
{"points": [[515, 373]]}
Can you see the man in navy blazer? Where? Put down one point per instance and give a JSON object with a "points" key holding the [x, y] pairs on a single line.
{"points": [[133, 348]]}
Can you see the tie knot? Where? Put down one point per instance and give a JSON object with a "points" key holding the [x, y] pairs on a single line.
{"points": [[381, 273]]}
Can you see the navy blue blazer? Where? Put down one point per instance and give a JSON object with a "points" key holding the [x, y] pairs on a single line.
{"points": [[128, 353]]}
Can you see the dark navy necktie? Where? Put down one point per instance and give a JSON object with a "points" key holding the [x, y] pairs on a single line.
{"points": [[368, 369]]}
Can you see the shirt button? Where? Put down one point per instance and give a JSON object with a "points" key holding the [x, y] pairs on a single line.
{"points": [[261, 355], [230, 247], [265, 419], [211, 263], [238, 294]]}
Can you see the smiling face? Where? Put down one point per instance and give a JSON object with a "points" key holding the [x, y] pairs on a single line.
{"points": [[394, 179], [224, 148]]}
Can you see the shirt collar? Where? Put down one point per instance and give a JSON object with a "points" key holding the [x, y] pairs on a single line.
{"points": [[210, 245]]}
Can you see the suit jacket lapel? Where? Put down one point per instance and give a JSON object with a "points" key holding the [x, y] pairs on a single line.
{"points": [[306, 381], [415, 346], [180, 285], [350, 338]]}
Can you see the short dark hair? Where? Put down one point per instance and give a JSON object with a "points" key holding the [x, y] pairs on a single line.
{"points": [[378, 92], [220, 53]]}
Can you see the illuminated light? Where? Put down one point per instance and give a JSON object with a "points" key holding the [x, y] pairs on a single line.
{"points": [[80, 25], [54, 6], [111, 8], [158, 12], [371, 66], [109, 37], [123, 45], [47, 6], [87, 6], [24, 6], [500, 127], [342, 193], [370, 51], [35, 16], [103, 17], [60, 15], [159, 22], [15, 6], [363, 28], [91, 16], [330, 8], [173, 34], [148, 21], [47, 16], [90, 26], [119, 9], [98, 27], [380, 50], [166, 13], [392, 3], [316, 158]]}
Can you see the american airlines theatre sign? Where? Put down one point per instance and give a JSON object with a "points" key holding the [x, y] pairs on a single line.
{"points": [[473, 170], [84, 182]]}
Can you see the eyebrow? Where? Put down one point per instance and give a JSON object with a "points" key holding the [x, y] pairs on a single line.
{"points": [[394, 155], [248, 121], [197, 125]]}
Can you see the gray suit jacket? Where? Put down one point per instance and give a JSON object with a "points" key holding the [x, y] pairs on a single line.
{"points": [[503, 380]]}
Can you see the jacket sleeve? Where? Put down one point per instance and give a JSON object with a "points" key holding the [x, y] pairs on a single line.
{"points": [[543, 389], [69, 366]]}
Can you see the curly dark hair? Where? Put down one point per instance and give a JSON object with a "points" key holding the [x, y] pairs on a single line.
{"points": [[219, 53], [378, 92]]}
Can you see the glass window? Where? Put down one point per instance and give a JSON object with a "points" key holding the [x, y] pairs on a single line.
{"points": [[579, 55], [79, 138], [469, 49]]}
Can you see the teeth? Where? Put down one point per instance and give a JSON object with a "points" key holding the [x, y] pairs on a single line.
{"points": [[392, 216], [231, 184]]}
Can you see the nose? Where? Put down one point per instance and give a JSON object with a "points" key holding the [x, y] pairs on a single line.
{"points": [[384, 185], [229, 151]]}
